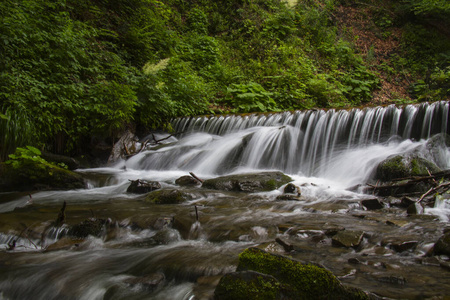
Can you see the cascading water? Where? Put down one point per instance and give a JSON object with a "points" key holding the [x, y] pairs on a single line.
{"points": [[343, 145], [179, 251]]}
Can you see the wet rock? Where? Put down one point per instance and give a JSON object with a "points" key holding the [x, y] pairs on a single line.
{"points": [[271, 276], [442, 246], [332, 229], [124, 147], [397, 280], [166, 236], [401, 243], [64, 243], [149, 282], [348, 238], [288, 197], [404, 246], [187, 181], [415, 209], [372, 204], [168, 197], [397, 222], [94, 227], [250, 183], [407, 201], [143, 186], [354, 261], [292, 189], [402, 166], [38, 176], [249, 285]]}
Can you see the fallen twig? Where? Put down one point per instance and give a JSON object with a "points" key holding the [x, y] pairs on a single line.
{"points": [[195, 176], [433, 190]]}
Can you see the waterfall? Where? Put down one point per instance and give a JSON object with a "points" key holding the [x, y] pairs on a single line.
{"points": [[325, 143]]}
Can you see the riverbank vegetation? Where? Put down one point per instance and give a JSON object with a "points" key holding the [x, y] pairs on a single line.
{"points": [[71, 70]]}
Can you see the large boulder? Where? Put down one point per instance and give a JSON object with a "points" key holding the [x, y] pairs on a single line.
{"points": [[253, 182], [402, 166], [262, 275], [31, 177]]}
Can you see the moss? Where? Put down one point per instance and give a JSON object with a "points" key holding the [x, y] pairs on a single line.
{"points": [[401, 166], [248, 285], [31, 176], [303, 281], [167, 197]]}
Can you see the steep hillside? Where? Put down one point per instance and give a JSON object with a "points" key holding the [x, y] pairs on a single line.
{"points": [[71, 70]]}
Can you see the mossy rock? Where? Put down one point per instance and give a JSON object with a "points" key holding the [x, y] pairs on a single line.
{"points": [[168, 197], [94, 227], [253, 182], [402, 166], [247, 285], [30, 177], [295, 280]]}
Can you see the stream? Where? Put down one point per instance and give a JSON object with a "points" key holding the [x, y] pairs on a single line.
{"points": [[180, 251]]}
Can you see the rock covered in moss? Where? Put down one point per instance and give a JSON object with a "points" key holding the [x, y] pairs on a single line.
{"points": [[38, 177], [402, 166], [253, 182], [289, 279], [168, 197], [94, 227], [249, 285]]}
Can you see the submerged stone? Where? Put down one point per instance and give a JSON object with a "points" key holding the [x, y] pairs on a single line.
{"points": [[250, 183], [281, 278], [347, 238]]}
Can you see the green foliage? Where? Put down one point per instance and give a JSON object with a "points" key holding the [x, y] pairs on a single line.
{"points": [[430, 7], [251, 97], [71, 69], [26, 156]]}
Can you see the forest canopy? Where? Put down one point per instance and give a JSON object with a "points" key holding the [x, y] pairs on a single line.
{"points": [[74, 69]]}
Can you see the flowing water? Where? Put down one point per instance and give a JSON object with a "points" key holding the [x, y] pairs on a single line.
{"points": [[149, 251]]}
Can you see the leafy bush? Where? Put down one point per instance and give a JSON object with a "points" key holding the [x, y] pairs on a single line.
{"points": [[251, 97]]}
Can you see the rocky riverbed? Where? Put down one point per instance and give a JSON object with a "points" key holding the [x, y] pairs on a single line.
{"points": [[115, 244]]}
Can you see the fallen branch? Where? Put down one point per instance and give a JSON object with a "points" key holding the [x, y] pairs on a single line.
{"points": [[195, 176], [167, 137], [432, 190]]}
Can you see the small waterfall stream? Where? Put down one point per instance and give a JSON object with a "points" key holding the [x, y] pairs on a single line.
{"points": [[343, 145], [180, 251]]}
